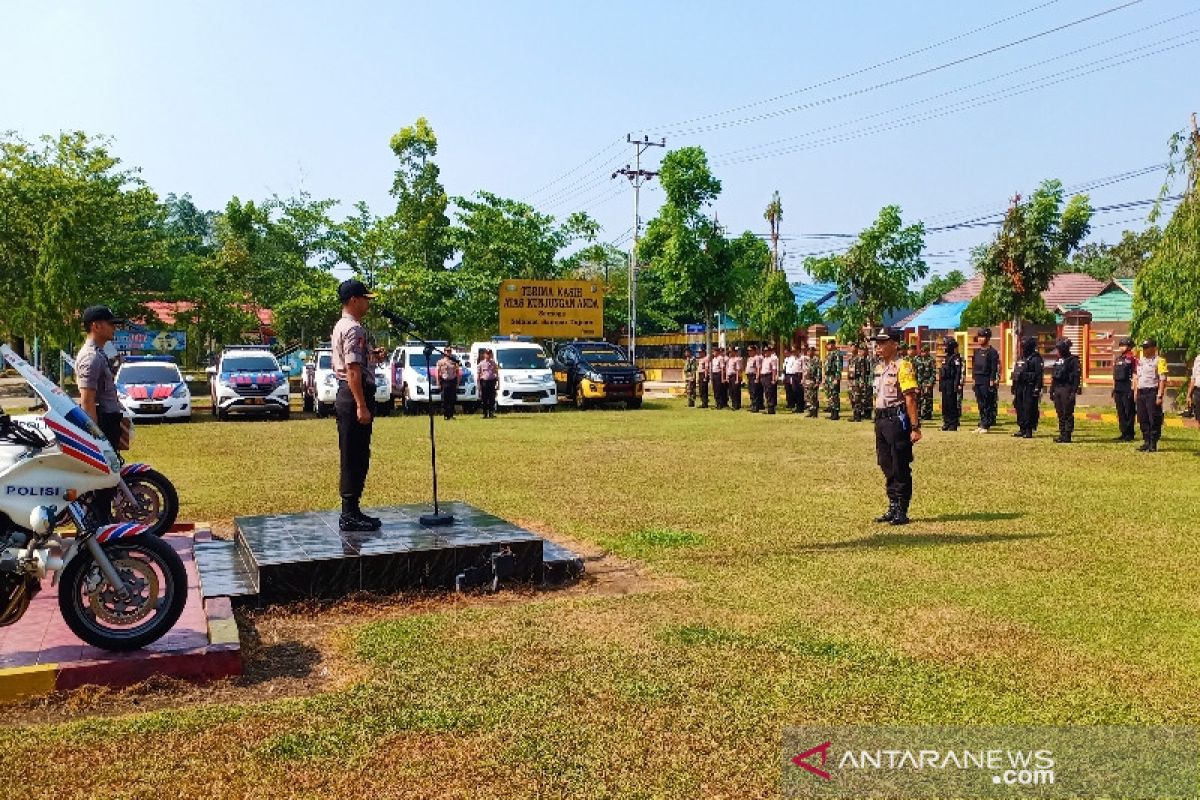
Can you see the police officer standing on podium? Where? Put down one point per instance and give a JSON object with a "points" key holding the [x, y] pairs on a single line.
{"points": [[354, 403], [897, 425]]}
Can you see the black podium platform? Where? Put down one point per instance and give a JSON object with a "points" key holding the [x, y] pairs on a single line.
{"points": [[275, 559]]}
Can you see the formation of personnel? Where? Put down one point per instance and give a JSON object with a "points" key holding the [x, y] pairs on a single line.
{"points": [[1139, 384]]}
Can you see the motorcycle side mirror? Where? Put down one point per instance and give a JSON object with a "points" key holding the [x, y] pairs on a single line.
{"points": [[41, 519]]}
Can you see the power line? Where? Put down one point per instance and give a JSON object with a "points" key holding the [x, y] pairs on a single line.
{"points": [[611, 145], [992, 79], [857, 72], [894, 81]]}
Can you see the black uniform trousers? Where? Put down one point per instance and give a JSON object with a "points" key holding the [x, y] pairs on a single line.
{"points": [[791, 388], [755, 392], [985, 396], [354, 444], [951, 407], [109, 424], [449, 389], [1149, 414], [720, 396], [487, 396], [769, 391], [1064, 407], [1026, 402], [703, 382], [894, 454], [1126, 412], [734, 390]]}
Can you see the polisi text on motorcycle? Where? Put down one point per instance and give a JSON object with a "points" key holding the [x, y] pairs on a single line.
{"points": [[33, 491]]}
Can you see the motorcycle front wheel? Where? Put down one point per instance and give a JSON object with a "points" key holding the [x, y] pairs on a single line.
{"points": [[156, 583], [157, 502]]}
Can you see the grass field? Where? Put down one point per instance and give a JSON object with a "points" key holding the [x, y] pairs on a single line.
{"points": [[1038, 584]]}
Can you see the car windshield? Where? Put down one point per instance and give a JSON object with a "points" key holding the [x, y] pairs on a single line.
{"points": [[325, 361], [148, 373], [520, 358], [603, 355], [250, 364]]}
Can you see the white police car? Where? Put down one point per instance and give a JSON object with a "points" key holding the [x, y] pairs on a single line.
{"points": [[151, 387], [325, 385], [407, 379], [248, 380]]}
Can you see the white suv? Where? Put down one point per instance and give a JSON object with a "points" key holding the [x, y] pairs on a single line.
{"points": [[248, 380], [408, 379], [526, 380]]}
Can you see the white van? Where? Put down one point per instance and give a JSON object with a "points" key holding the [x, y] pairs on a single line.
{"points": [[408, 379], [526, 380]]}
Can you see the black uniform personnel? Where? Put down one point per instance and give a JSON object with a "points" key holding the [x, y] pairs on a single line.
{"points": [[1027, 382], [1064, 385], [355, 410], [950, 381], [1124, 365], [897, 425], [985, 372]]}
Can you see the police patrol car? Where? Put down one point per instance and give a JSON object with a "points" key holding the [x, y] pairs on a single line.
{"points": [[589, 373], [407, 379], [321, 387], [248, 380], [151, 387]]}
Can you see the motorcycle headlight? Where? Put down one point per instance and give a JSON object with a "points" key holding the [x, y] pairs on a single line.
{"points": [[41, 520]]}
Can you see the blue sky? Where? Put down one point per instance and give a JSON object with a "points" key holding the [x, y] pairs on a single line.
{"points": [[224, 98]]}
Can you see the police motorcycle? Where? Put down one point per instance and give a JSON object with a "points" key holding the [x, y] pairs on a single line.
{"points": [[119, 586]]}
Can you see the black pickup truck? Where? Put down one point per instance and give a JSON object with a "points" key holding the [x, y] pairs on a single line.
{"points": [[588, 373]]}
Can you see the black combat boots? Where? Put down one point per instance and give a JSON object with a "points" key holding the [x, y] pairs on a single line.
{"points": [[888, 515]]}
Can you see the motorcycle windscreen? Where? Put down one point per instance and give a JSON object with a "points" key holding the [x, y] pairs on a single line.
{"points": [[55, 398]]}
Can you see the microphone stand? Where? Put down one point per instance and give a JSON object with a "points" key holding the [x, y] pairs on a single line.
{"points": [[438, 517]]}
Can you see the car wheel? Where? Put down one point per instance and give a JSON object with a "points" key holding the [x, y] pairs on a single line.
{"points": [[222, 414], [632, 403], [322, 410], [285, 415]]}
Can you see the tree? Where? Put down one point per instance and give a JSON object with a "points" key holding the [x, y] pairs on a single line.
{"points": [[1166, 295], [1124, 259], [772, 312], [938, 285], [76, 228], [1032, 246], [873, 276], [683, 247], [366, 244], [421, 224], [774, 217], [499, 238]]}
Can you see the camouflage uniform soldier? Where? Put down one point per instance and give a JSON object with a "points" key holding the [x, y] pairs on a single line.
{"points": [[833, 383], [690, 369], [812, 383], [926, 369], [866, 378]]}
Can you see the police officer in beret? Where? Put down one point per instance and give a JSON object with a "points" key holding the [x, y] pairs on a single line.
{"points": [[98, 390], [897, 424], [354, 403]]}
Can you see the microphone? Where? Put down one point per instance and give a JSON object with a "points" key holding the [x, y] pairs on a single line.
{"points": [[395, 318]]}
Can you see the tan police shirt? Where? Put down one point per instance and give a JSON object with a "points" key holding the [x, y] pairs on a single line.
{"points": [[349, 342]]}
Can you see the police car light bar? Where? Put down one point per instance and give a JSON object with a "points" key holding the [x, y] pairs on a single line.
{"points": [[163, 357], [246, 347]]}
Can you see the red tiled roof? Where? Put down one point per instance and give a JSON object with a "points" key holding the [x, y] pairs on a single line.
{"points": [[1068, 289], [167, 311]]}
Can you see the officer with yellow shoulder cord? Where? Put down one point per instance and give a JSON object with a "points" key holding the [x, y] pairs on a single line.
{"points": [[354, 403], [897, 424], [1151, 379]]}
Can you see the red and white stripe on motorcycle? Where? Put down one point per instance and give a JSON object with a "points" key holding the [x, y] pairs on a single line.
{"points": [[120, 530]]}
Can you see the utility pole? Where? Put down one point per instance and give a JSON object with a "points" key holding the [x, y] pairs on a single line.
{"points": [[637, 176]]}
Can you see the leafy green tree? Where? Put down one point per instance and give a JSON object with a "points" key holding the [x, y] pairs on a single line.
{"points": [[873, 276], [937, 286], [365, 243], [772, 306], [1033, 245], [685, 248], [1124, 259], [76, 228], [422, 226], [1166, 295]]}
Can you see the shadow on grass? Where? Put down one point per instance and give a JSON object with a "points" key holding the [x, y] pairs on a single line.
{"points": [[978, 516], [893, 538], [265, 663]]}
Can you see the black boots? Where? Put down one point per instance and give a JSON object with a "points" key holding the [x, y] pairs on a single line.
{"points": [[901, 515], [888, 515], [353, 519], [1150, 445]]}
